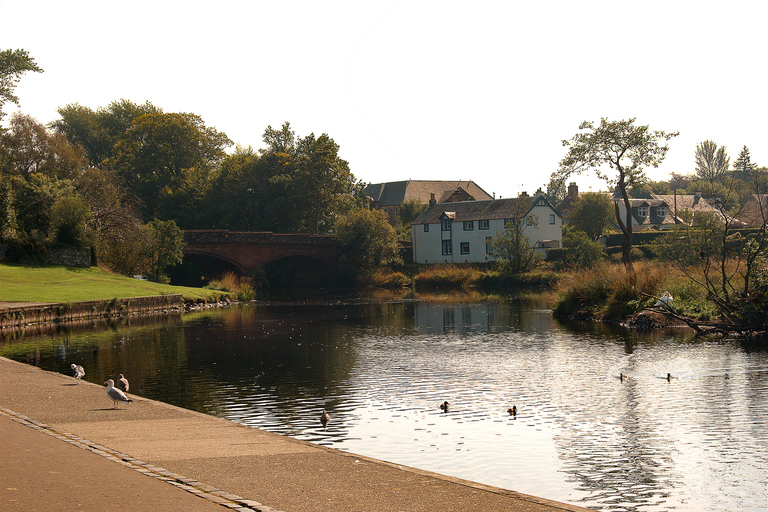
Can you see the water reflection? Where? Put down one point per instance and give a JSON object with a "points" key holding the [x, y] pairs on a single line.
{"points": [[382, 367]]}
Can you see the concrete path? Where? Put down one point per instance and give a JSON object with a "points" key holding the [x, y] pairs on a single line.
{"points": [[63, 447]]}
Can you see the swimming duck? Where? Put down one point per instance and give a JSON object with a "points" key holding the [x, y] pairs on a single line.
{"points": [[512, 411], [444, 406], [325, 418], [622, 377], [669, 376]]}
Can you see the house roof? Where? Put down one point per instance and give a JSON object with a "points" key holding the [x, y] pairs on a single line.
{"points": [[754, 211], [394, 193], [480, 210], [695, 203], [652, 218]]}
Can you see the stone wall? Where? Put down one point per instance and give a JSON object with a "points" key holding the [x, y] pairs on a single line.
{"points": [[70, 256], [24, 315]]}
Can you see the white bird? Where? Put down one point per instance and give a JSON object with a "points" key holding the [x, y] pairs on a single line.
{"points": [[79, 371], [325, 418], [122, 383], [115, 394], [665, 298]]}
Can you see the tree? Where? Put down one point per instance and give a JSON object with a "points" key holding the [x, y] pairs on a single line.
{"points": [[711, 162], [743, 165], [328, 184], [407, 213], [13, 64], [27, 147], [165, 249], [99, 131], [367, 242], [592, 214], [626, 149], [69, 221], [159, 150], [512, 249], [579, 250]]}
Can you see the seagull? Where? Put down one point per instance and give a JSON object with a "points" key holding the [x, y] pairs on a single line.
{"points": [[79, 371], [115, 394], [122, 383], [444, 406], [512, 411], [325, 418]]}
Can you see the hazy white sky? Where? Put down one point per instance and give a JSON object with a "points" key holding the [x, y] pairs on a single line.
{"points": [[483, 90]]}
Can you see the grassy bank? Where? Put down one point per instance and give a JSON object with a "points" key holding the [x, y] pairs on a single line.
{"points": [[59, 284], [607, 292]]}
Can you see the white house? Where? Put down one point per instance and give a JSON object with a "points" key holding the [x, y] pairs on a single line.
{"points": [[460, 232]]}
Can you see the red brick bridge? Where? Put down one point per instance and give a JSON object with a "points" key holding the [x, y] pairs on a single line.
{"points": [[291, 258]]}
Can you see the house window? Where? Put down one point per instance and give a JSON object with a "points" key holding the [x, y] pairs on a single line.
{"points": [[529, 221], [426, 228], [551, 218], [469, 225], [642, 211], [446, 225], [464, 247], [483, 224], [488, 240], [661, 211], [507, 222], [447, 247]]}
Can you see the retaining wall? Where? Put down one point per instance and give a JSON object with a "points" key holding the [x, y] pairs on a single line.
{"points": [[24, 315]]}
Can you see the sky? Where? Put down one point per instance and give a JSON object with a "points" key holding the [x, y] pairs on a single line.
{"points": [[424, 90]]}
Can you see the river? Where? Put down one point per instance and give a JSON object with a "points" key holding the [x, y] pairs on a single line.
{"points": [[382, 365]]}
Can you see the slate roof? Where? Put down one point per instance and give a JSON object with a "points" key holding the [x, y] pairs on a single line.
{"points": [[396, 193], [690, 202], [479, 210], [652, 219]]}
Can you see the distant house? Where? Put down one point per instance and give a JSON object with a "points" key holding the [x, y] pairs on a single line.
{"points": [[647, 214], [460, 232], [754, 213], [663, 211], [389, 196]]}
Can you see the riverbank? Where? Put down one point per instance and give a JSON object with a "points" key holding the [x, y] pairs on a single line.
{"points": [[220, 461]]}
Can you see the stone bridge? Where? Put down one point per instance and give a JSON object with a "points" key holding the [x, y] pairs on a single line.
{"points": [[288, 259]]}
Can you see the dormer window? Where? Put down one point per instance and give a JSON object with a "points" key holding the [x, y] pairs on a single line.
{"points": [[642, 211], [661, 211]]}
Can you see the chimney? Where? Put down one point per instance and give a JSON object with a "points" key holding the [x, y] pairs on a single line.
{"points": [[432, 201], [573, 189]]}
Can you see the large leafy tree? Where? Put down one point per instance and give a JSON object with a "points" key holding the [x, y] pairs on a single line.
{"points": [[27, 147], [13, 64], [98, 131], [161, 152], [592, 214], [367, 241], [617, 152]]}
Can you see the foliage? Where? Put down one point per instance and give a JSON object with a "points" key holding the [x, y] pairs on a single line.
{"points": [[164, 250], [27, 147], [98, 132], [13, 64], [712, 162], [593, 214], [241, 287], [626, 149], [408, 211], [159, 151], [70, 215], [608, 292], [449, 276], [513, 251], [367, 241], [579, 250]]}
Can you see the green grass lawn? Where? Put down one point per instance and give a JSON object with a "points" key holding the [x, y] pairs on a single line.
{"points": [[53, 283]]}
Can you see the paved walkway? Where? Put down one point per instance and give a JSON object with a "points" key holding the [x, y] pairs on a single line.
{"points": [[63, 447]]}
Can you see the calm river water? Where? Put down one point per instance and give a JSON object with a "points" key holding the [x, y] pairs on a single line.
{"points": [[381, 367]]}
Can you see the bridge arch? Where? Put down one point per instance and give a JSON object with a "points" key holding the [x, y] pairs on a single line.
{"points": [[290, 260]]}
